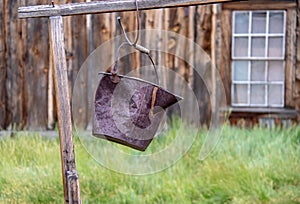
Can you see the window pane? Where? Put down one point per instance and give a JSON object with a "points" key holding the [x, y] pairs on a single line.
{"points": [[258, 71], [275, 94], [240, 70], [276, 24], [241, 47], [241, 22], [276, 71], [258, 47], [240, 93], [275, 47], [257, 94], [259, 22]]}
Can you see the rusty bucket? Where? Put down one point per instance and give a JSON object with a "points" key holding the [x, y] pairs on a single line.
{"points": [[128, 110]]}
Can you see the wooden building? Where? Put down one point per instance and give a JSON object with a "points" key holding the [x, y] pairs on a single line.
{"points": [[254, 47], [260, 61]]}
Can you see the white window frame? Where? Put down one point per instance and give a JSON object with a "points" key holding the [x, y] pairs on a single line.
{"points": [[250, 58]]}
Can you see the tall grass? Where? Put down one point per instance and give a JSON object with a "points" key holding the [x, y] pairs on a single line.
{"points": [[248, 166]]}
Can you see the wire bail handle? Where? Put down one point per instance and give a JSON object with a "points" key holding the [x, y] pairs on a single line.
{"points": [[132, 44]]}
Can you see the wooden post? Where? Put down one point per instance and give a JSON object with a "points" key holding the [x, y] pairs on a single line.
{"points": [[69, 174]]}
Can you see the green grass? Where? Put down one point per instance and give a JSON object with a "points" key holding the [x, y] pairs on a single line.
{"points": [[248, 166]]}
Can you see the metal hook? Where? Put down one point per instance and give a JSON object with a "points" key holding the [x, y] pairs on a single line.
{"points": [[137, 26], [133, 44], [52, 3]]}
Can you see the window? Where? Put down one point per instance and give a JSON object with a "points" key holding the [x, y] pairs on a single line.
{"points": [[258, 58]]}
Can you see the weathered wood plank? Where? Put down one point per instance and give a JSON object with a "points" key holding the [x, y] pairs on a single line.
{"points": [[23, 61], [190, 47], [225, 58], [2, 68], [125, 62], [221, 96], [36, 73], [50, 91], [71, 187], [180, 50], [147, 23], [99, 30], [69, 48], [214, 59], [50, 88], [291, 56], [298, 50], [188, 65], [165, 26], [8, 114], [202, 37], [130, 24], [165, 57], [171, 43], [15, 72], [80, 53], [106, 7], [297, 83]]}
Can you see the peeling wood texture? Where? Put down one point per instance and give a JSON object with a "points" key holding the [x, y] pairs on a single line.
{"points": [[71, 187]]}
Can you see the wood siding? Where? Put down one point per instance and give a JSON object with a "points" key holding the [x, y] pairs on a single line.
{"points": [[27, 99], [248, 115], [26, 67]]}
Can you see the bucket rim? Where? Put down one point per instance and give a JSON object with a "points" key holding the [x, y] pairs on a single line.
{"points": [[179, 98]]}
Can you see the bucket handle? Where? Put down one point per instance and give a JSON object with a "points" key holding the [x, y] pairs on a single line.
{"points": [[134, 45]]}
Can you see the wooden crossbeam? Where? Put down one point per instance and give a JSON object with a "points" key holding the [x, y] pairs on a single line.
{"points": [[106, 7]]}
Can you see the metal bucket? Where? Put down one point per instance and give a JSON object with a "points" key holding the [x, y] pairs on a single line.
{"points": [[129, 110]]}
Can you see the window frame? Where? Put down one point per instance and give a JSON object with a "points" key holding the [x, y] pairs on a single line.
{"points": [[249, 59], [224, 64]]}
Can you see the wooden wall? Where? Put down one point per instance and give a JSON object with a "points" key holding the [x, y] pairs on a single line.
{"points": [[297, 83], [250, 116], [26, 82]]}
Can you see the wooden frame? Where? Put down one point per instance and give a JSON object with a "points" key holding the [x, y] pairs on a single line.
{"points": [[106, 7], [290, 55], [69, 174]]}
